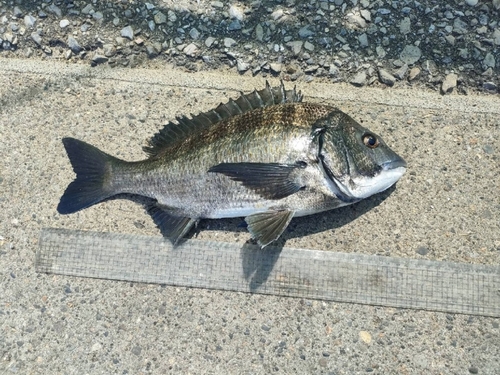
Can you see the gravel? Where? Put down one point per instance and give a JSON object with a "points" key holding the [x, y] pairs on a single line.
{"points": [[454, 37]]}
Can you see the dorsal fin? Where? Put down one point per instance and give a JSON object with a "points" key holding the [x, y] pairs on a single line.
{"points": [[172, 133]]}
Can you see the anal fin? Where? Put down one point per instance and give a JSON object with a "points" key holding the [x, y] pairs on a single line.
{"points": [[171, 226], [266, 227]]}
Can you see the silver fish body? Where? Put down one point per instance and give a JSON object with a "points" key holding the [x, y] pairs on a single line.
{"points": [[266, 156]]}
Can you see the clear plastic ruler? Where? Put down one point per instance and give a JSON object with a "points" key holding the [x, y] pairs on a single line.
{"points": [[366, 279]]}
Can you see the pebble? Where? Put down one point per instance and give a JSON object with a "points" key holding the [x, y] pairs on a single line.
{"points": [[489, 60], [229, 42], [242, 66], [275, 67], [489, 86], [459, 26], [363, 40], [471, 3], [87, 9], [160, 18], [449, 83], [236, 12], [386, 77], [63, 23], [209, 41], [29, 20], [405, 26], [259, 32], [309, 46], [191, 50], [304, 32], [410, 54], [52, 8], [99, 59], [36, 38], [422, 250], [359, 79], [194, 33], [109, 50], [74, 45], [401, 72], [414, 73], [365, 336], [296, 46], [127, 32]]}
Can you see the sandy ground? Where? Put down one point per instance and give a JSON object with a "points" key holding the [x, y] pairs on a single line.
{"points": [[447, 207]]}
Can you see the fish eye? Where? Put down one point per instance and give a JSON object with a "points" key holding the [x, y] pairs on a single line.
{"points": [[370, 140]]}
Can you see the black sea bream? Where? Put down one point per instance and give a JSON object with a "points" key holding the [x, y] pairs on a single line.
{"points": [[265, 156]]}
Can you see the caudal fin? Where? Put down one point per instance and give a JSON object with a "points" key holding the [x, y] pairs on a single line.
{"points": [[92, 168]]}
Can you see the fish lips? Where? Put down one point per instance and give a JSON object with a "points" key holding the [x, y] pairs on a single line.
{"points": [[394, 164]]}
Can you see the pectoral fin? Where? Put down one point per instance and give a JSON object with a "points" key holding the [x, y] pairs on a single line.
{"points": [[171, 226], [266, 227], [269, 180]]}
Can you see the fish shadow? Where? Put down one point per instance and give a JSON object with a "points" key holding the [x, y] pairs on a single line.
{"points": [[257, 263]]}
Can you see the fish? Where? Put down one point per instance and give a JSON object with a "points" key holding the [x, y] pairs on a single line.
{"points": [[266, 156]]}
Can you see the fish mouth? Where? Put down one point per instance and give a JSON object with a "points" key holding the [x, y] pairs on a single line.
{"points": [[394, 164]]}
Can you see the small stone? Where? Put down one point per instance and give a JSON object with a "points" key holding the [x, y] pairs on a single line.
{"points": [[450, 39], [410, 54], [471, 3], [151, 50], [459, 26], [386, 77], [333, 71], [359, 79], [296, 46], [277, 14], [87, 9], [209, 41], [68, 54], [489, 60], [98, 16], [449, 83], [242, 66], [259, 32], [236, 12], [229, 42], [52, 8], [422, 250], [127, 32], [430, 67], [172, 17], [99, 59], [490, 86], [217, 4], [74, 45], [36, 38], [17, 12], [194, 33], [380, 51], [63, 23], [473, 370], [304, 32], [405, 26], [275, 67], [191, 50], [109, 50], [309, 46], [355, 21], [365, 337], [414, 73], [29, 20], [366, 14], [401, 72], [363, 40], [160, 18], [235, 25], [496, 37]]}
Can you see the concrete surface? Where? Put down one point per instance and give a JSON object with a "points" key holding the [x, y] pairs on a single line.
{"points": [[447, 207]]}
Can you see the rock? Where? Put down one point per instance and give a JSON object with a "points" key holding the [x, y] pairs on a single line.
{"points": [[217, 4], [296, 46], [363, 40], [414, 73], [209, 41], [489, 60], [450, 39], [275, 67], [73, 45], [17, 12], [422, 250], [380, 52], [490, 86], [401, 72], [63, 23], [194, 33], [471, 3], [151, 51], [236, 12], [127, 32], [229, 42], [235, 25], [99, 59], [277, 14], [29, 20], [355, 21], [242, 66], [160, 18], [98, 16], [259, 32], [191, 50], [309, 46], [359, 79], [386, 77], [366, 14], [449, 83], [109, 50], [333, 71], [172, 17], [410, 54], [36, 38], [52, 8], [430, 67], [87, 9], [405, 26], [459, 26], [304, 32]]}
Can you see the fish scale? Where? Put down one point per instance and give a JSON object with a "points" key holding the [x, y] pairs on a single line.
{"points": [[265, 156]]}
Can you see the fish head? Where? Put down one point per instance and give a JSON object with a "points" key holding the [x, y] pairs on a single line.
{"points": [[356, 162]]}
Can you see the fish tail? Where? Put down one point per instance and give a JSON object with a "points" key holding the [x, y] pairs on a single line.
{"points": [[93, 176]]}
